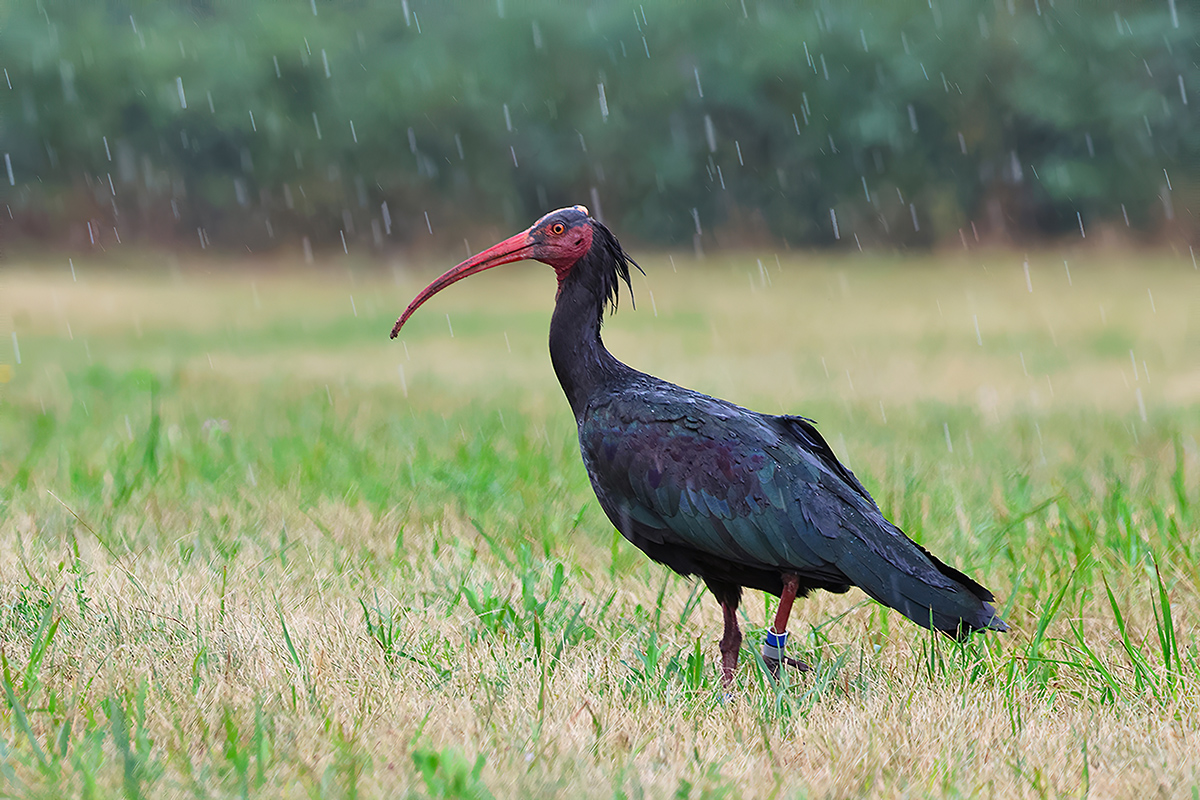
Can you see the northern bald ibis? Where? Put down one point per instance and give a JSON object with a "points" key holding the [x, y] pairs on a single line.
{"points": [[738, 498]]}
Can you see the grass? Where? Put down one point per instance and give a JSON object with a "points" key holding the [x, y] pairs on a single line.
{"points": [[251, 548]]}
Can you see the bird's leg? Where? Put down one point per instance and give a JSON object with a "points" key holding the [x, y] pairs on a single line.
{"points": [[731, 643], [773, 654]]}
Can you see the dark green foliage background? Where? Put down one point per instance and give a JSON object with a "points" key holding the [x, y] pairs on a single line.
{"points": [[911, 119]]}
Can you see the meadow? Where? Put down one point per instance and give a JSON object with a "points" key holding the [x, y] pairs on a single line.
{"points": [[249, 547]]}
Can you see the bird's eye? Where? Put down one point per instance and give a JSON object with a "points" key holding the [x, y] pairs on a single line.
{"points": [[557, 229]]}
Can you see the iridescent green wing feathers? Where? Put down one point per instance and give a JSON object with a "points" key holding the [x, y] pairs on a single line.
{"points": [[715, 484]]}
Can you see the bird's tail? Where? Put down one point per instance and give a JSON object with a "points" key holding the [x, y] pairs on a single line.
{"points": [[905, 576]]}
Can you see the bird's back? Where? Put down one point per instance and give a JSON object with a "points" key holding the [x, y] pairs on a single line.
{"points": [[740, 498]]}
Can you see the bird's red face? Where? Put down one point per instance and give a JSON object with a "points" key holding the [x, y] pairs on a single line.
{"points": [[559, 239]]}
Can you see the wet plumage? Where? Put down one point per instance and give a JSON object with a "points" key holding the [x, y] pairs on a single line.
{"points": [[737, 498]]}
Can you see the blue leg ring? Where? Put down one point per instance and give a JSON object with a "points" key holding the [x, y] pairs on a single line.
{"points": [[773, 645]]}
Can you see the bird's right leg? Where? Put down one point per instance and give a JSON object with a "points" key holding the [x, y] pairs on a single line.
{"points": [[731, 642], [773, 654]]}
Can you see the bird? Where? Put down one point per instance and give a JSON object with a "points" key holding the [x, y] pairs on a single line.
{"points": [[737, 498]]}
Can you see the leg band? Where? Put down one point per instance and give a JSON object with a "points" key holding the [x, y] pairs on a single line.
{"points": [[773, 645]]}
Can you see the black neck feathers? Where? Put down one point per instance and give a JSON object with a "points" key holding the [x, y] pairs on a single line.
{"points": [[582, 363]]}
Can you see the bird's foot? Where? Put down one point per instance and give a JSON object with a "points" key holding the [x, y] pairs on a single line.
{"points": [[774, 657], [728, 667], [774, 664]]}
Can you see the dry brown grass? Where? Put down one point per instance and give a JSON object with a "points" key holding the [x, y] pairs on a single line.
{"points": [[218, 618]]}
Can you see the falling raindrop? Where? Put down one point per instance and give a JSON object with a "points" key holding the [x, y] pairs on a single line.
{"points": [[597, 211], [1028, 281], [833, 218], [11, 180], [603, 102], [182, 96]]}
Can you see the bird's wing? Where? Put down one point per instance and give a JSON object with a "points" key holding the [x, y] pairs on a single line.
{"points": [[766, 493], [811, 441], [699, 474]]}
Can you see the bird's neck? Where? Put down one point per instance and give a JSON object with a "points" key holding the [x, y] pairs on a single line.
{"points": [[583, 365]]}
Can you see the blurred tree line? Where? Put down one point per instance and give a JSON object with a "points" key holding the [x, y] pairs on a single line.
{"points": [[254, 123]]}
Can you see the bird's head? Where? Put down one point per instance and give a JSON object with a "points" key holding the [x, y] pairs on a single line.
{"points": [[561, 239]]}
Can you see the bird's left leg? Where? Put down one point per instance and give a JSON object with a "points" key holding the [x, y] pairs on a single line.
{"points": [[731, 641], [772, 651]]}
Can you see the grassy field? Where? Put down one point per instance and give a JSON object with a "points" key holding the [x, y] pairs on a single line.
{"points": [[249, 547]]}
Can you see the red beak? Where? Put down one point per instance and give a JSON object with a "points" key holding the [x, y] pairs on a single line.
{"points": [[515, 248]]}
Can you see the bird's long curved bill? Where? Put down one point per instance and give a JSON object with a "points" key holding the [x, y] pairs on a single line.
{"points": [[514, 248]]}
